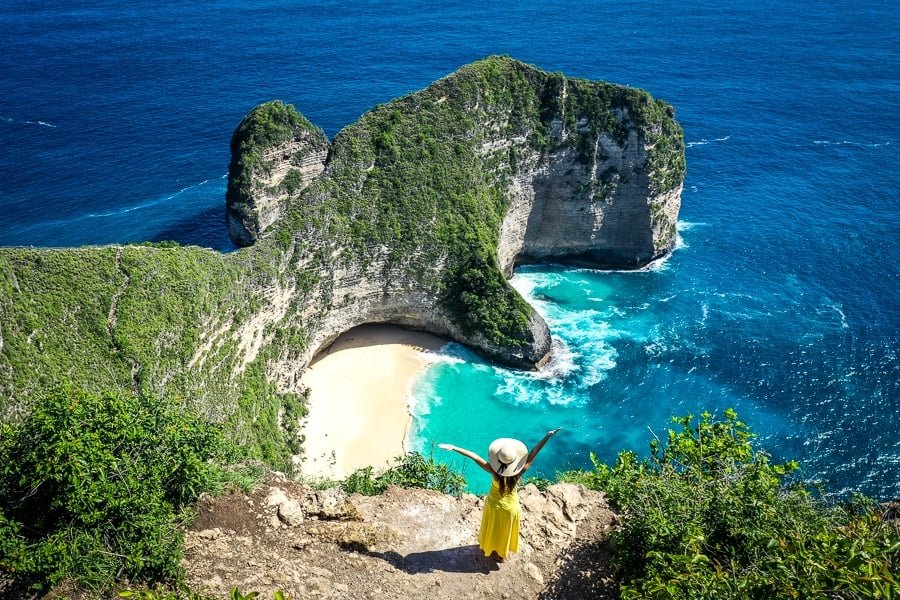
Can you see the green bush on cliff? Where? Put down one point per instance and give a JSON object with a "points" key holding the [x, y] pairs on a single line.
{"points": [[135, 318], [483, 302], [92, 486], [410, 471], [709, 516]]}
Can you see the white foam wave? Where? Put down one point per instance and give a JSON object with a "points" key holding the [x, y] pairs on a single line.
{"points": [[525, 390], [851, 143], [661, 263], [837, 309], [688, 225], [516, 390], [419, 405], [601, 359], [123, 211], [560, 365], [586, 330], [680, 227], [6, 119], [658, 264], [704, 141], [526, 282], [453, 354], [148, 204]]}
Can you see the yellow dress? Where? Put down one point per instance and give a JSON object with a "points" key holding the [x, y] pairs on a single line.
{"points": [[499, 522]]}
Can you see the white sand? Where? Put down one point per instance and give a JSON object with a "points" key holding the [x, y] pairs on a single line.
{"points": [[359, 399]]}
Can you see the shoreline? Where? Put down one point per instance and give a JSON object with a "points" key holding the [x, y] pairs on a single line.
{"points": [[359, 392]]}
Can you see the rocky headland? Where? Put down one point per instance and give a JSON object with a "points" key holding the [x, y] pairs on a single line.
{"points": [[493, 166]]}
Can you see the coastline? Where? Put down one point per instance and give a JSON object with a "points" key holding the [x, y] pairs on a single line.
{"points": [[359, 399]]}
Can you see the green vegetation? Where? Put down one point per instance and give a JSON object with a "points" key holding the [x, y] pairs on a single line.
{"points": [[187, 594], [292, 181], [410, 471], [709, 516], [483, 303], [132, 318], [92, 487]]}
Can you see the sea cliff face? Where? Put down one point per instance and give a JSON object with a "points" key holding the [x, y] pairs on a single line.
{"points": [[414, 215]]}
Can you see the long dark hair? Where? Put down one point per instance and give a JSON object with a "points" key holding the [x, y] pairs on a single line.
{"points": [[507, 484]]}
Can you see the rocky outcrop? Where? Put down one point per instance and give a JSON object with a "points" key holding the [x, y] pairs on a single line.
{"points": [[413, 215], [406, 543], [275, 154], [428, 202]]}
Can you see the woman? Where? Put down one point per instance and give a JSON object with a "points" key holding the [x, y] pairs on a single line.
{"points": [[507, 460]]}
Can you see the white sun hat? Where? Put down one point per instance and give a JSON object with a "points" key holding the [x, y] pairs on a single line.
{"points": [[507, 456]]}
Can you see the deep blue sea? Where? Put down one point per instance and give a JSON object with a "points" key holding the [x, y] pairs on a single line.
{"points": [[781, 300]]}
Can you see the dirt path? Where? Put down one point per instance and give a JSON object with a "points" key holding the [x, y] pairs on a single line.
{"points": [[402, 544]]}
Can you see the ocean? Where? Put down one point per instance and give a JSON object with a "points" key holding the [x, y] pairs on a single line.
{"points": [[781, 300]]}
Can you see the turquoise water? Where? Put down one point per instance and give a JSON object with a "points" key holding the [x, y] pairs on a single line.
{"points": [[633, 349], [116, 117]]}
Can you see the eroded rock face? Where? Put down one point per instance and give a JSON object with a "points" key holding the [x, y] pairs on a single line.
{"points": [[602, 213]]}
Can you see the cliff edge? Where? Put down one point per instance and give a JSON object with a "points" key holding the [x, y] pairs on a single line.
{"points": [[405, 543]]}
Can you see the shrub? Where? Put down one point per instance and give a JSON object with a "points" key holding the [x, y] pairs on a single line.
{"points": [[184, 593], [91, 487], [410, 471], [709, 516]]}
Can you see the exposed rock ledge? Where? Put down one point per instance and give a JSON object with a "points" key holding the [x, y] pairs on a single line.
{"points": [[406, 543], [414, 214]]}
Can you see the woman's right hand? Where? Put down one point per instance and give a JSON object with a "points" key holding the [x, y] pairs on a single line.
{"points": [[449, 447]]}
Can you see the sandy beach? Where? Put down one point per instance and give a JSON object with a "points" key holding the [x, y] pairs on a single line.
{"points": [[359, 399]]}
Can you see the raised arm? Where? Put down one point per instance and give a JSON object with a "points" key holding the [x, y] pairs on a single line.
{"points": [[468, 454], [537, 448]]}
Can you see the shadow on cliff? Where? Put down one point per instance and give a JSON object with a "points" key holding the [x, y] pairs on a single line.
{"points": [[464, 559], [586, 572], [379, 334]]}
